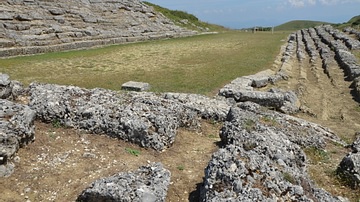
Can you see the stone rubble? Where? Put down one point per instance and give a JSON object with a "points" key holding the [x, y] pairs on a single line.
{"points": [[148, 183], [287, 52], [344, 57], [260, 161], [353, 31], [310, 46], [214, 109], [300, 46], [332, 46], [16, 130], [349, 167], [9, 89], [146, 119], [242, 89]]}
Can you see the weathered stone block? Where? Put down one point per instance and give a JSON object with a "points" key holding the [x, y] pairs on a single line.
{"points": [[135, 86], [148, 183]]}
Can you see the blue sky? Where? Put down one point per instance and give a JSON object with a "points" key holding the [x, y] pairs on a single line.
{"points": [[249, 13]]}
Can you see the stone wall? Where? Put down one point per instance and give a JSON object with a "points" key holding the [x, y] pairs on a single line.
{"points": [[39, 26]]}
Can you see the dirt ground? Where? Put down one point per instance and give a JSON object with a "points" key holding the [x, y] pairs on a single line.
{"points": [[62, 162], [328, 101]]}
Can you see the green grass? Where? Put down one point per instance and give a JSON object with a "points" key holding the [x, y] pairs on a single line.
{"points": [[133, 152], [353, 22], [56, 123], [200, 64], [193, 22], [180, 167], [298, 24], [249, 125], [288, 177], [317, 155]]}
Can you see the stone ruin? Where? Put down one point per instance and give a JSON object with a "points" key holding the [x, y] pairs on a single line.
{"points": [[39, 26], [262, 158], [148, 183]]}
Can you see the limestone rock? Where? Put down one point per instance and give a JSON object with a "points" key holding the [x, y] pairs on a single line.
{"points": [[16, 130], [33, 27], [148, 183], [207, 108], [349, 167], [135, 86], [243, 89], [356, 86], [260, 161], [9, 89], [344, 57], [143, 118], [349, 170]]}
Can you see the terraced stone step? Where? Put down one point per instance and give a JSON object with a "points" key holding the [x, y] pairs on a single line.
{"points": [[31, 26]]}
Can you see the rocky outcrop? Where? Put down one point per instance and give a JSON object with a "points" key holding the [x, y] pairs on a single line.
{"points": [[349, 168], [143, 119], [244, 89], [148, 183], [310, 46], [38, 26], [344, 57], [146, 119], [352, 44], [353, 31], [16, 130], [9, 89], [214, 109], [263, 159], [356, 86]]}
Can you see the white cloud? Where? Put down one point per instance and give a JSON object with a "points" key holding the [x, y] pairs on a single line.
{"points": [[297, 3], [329, 2], [312, 2], [303, 3]]}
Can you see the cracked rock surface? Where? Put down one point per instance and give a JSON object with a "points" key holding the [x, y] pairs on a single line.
{"points": [[262, 159], [148, 183]]}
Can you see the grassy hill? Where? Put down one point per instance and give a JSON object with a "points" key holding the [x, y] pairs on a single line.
{"points": [[185, 19], [298, 24], [353, 22]]}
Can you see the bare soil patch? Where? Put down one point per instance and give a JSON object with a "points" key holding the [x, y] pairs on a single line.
{"points": [[62, 162]]}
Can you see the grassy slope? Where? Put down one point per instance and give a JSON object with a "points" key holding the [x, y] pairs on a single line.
{"points": [[199, 64], [298, 24], [353, 22], [178, 18]]}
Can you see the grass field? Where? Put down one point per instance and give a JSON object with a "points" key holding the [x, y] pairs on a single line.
{"points": [[199, 64]]}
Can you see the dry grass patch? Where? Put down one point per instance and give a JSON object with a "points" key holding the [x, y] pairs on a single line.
{"points": [[199, 64], [322, 169]]}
